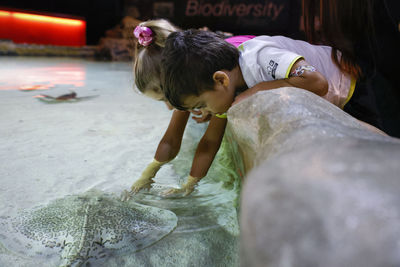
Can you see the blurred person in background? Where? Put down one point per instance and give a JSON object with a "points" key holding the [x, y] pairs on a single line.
{"points": [[365, 40]]}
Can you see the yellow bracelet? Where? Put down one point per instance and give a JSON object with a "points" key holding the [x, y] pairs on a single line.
{"points": [[221, 116], [155, 165]]}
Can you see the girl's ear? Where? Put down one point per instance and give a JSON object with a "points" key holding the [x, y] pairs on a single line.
{"points": [[221, 78]]}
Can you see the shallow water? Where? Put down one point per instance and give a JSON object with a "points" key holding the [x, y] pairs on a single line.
{"points": [[50, 151]]}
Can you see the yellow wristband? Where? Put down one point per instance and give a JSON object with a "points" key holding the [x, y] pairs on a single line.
{"points": [[221, 116], [192, 181], [152, 169], [157, 163]]}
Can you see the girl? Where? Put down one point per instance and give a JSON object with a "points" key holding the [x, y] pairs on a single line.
{"points": [[151, 37], [367, 35]]}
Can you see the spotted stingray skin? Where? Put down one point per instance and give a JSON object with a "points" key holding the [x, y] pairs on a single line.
{"points": [[85, 228]]}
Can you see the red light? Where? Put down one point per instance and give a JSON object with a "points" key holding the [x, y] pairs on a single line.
{"points": [[48, 19], [5, 13], [41, 29]]}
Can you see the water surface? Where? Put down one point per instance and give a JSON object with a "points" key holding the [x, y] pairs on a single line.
{"points": [[52, 151]]}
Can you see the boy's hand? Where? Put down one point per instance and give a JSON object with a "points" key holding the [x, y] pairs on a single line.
{"points": [[146, 179], [187, 188]]}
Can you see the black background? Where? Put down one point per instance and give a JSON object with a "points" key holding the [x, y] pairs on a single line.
{"points": [[102, 15]]}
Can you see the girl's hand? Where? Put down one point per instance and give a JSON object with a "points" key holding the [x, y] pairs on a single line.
{"points": [[203, 118], [187, 188]]}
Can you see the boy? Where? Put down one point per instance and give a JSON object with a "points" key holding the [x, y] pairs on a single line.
{"points": [[202, 71]]}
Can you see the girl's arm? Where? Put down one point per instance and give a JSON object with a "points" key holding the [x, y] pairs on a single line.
{"points": [[312, 81], [170, 143]]}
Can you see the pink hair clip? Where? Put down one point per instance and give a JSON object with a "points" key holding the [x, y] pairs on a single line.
{"points": [[144, 35]]}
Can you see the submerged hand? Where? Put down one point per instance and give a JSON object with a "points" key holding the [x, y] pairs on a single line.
{"points": [[126, 195], [146, 179], [187, 188], [142, 183]]}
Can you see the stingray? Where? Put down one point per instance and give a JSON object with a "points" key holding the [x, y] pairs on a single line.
{"points": [[70, 97], [85, 228]]}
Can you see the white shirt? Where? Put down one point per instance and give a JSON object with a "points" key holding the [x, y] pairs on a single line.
{"points": [[266, 58]]}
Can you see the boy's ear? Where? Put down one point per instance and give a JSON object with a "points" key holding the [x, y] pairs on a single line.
{"points": [[221, 78]]}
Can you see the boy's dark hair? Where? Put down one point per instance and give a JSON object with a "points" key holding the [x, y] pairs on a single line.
{"points": [[189, 60]]}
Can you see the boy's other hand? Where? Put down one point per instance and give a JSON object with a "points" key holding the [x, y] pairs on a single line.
{"points": [[187, 188]]}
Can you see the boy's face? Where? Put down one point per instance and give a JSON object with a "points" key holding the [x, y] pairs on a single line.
{"points": [[216, 101]]}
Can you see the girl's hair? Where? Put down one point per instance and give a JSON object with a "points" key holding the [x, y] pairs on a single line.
{"points": [[343, 25], [147, 61]]}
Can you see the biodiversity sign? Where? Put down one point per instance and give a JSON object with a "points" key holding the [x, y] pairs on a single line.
{"points": [[227, 9], [237, 16]]}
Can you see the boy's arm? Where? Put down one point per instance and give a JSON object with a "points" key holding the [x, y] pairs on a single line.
{"points": [[167, 149], [204, 156], [312, 81], [208, 147]]}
